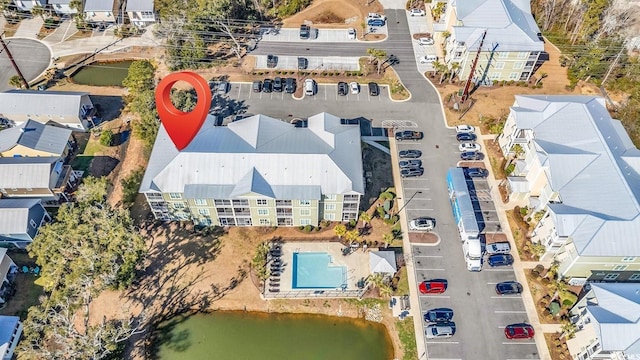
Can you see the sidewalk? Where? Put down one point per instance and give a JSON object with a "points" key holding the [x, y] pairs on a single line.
{"points": [[64, 31], [29, 28], [95, 43]]}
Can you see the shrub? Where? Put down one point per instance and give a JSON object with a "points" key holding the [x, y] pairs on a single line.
{"points": [[567, 303], [353, 223], [325, 223], [380, 211], [106, 137], [307, 228], [545, 281], [130, 186]]}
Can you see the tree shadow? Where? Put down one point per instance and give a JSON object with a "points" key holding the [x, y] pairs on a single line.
{"points": [[109, 107]]}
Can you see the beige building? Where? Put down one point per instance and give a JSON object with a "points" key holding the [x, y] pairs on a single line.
{"points": [[258, 171], [512, 49], [579, 173], [141, 12], [33, 139]]}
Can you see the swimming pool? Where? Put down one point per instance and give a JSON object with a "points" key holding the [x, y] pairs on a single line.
{"points": [[314, 271]]}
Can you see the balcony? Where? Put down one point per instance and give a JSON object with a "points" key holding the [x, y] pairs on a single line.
{"points": [[284, 212], [63, 179]]}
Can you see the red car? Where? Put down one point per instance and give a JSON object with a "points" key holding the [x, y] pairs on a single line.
{"points": [[433, 286], [519, 331]]}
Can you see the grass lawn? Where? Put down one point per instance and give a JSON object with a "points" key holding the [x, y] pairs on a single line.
{"points": [[27, 291], [403, 283], [93, 147], [407, 336]]}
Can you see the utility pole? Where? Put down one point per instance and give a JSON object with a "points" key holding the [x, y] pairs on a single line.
{"points": [[13, 62], [465, 93], [614, 63]]}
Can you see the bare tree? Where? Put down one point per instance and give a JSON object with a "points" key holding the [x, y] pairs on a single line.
{"points": [[225, 29], [619, 15]]}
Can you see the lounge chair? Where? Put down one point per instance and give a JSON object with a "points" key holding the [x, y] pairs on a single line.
{"points": [[274, 290]]}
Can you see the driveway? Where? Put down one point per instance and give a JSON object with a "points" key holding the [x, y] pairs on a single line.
{"points": [[31, 56]]}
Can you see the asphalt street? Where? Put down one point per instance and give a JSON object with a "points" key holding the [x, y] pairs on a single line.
{"points": [[32, 57]]}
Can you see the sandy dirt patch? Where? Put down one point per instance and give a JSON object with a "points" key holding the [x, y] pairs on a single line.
{"points": [[334, 14]]}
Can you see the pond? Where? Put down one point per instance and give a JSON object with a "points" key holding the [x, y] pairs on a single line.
{"points": [[102, 73], [246, 335]]}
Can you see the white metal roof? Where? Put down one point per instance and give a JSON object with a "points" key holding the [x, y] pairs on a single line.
{"points": [[509, 24], [55, 103], [14, 215], [593, 165], [98, 5], [139, 5], [382, 262], [37, 136], [26, 172], [260, 156]]}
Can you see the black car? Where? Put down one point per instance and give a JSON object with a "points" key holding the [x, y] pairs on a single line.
{"points": [[406, 164], [412, 172], [257, 86], [272, 61], [374, 89], [500, 260], [438, 315], [302, 63], [343, 88], [471, 155], [267, 85], [393, 60], [410, 154], [466, 137], [305, 31], [477, 172], [290, 85], [508, 288], [409, 135], [277, 84]]}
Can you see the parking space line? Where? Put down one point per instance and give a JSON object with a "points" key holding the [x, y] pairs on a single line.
{"points": [[518, 343], [492, 283], [510, 312], [436, 296], [507, 297], [441, 358], [442, 342], [428, 256], [428, 269], [418, 209], [496, 270]]}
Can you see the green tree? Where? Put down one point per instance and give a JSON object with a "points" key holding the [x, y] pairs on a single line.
{"points": [[365, 217], [93, 190], [184, 100], [352, 236], [340, 230], [387, 239], [259, 261], [379, 281], [38, 10], [16, 81], [130, 186], [140, 76], [106, 137]]}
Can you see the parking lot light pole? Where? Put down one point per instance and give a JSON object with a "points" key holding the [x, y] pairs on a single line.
{"points": [[407, 203]]}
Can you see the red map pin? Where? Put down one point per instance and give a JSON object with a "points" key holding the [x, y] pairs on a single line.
{"points": [[182, 126]]}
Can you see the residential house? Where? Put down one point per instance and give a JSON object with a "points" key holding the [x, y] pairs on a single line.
{"points": [[45, 178], [512, 48], [102, 11], [258, 171], [34, 139], [141, 12], [8, 269], [27, 5], [607, 320], [71, 109], [578, 173], [20, 220], [10, 331], [62, 8]]}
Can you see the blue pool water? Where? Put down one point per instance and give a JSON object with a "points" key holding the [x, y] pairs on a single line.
{"points": [[314, 271]]}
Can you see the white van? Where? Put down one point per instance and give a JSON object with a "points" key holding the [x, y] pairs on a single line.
{"points": [[472, 254], [309, 87], [428, 59]]}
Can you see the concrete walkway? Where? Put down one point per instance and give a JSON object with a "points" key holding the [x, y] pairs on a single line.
{"points": [[65, 30], [29, 28], [102, 43]]}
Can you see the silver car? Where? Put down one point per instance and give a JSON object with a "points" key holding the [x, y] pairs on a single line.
{"points": [[422, 224], [443, 330]]}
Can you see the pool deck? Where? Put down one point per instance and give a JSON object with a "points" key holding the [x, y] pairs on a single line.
{"points": [[357, 264]]}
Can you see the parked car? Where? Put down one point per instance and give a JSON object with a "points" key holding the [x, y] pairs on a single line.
{"points": [[469, 146], [476, 172], [425, 41], [267, 85], [412, 172], [277, 84], [471, 155], [305, 31], [438, 315], [343, 88], [376, 16], [435, 286], [256, 86], [422, 224], [272, 61], [466, 137], [409, 135], [351, 33], [302, 63], [519, 331], [443, 330], [310, 87], [290, 85], [376, 22], [374, 89], [222, 87], [508, 288], [409, 154], [417, 12], [410, 164], [427, 59], [500, 260], [465, 129], [355, 87], [392, 60], [501, 247]]}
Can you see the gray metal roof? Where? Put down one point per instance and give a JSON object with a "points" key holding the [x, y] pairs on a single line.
{"points": [[615, 307], [7, 323], [260, 155], [509, 24], [382, 262], [14, 215], [37, 136], [592, 163], [26, 172], [63, 103], [140, 5], [98, 5]]}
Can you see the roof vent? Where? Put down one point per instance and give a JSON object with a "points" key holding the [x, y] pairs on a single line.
{"points": [[300, 123]]}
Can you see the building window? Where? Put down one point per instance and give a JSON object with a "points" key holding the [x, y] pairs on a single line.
{"points": [[204, 212], [152, 195], [263, 212], [629, 259], [523, 55], [178, 205], [283, 202], [495, 76], [241, 202], [305, 212], [612, 276], [305, 221], [330, 197], [330, 217], [265, 222], [518, 65], [200, 201], [620, 267], [635, 276], [514, 76], [305, 202], [32, 223], [330, 207], [222, 202], [499, 65], [261, 202], [175, 196], [503, 54]]}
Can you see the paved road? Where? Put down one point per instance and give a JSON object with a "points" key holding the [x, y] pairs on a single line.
{"points": [[32, 57]]}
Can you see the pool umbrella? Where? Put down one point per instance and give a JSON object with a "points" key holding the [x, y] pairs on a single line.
{"points": [[382, 262]]}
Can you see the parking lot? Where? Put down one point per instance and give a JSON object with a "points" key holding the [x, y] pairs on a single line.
{"points": [[315, 63]]}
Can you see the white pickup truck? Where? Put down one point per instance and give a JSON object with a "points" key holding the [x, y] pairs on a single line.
{"points": [[472, 254]]}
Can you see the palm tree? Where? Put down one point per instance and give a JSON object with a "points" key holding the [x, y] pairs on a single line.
{"points": [[569, 329], [379, 281], [352, 236], [454, 69], [387, 239], [365, 217], [16, 81], [340, 230], [38, 10]]}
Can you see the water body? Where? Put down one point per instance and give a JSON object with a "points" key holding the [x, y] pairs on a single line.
{"points": [[103, 74], [253, 336]]}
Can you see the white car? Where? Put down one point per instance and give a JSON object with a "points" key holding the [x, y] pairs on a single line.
{"points": [[425, 41], [468, 129], [355, 87], [351, 34], [376, 16], [422, 224], [427, 59], [417, 12], [469, 146]]}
